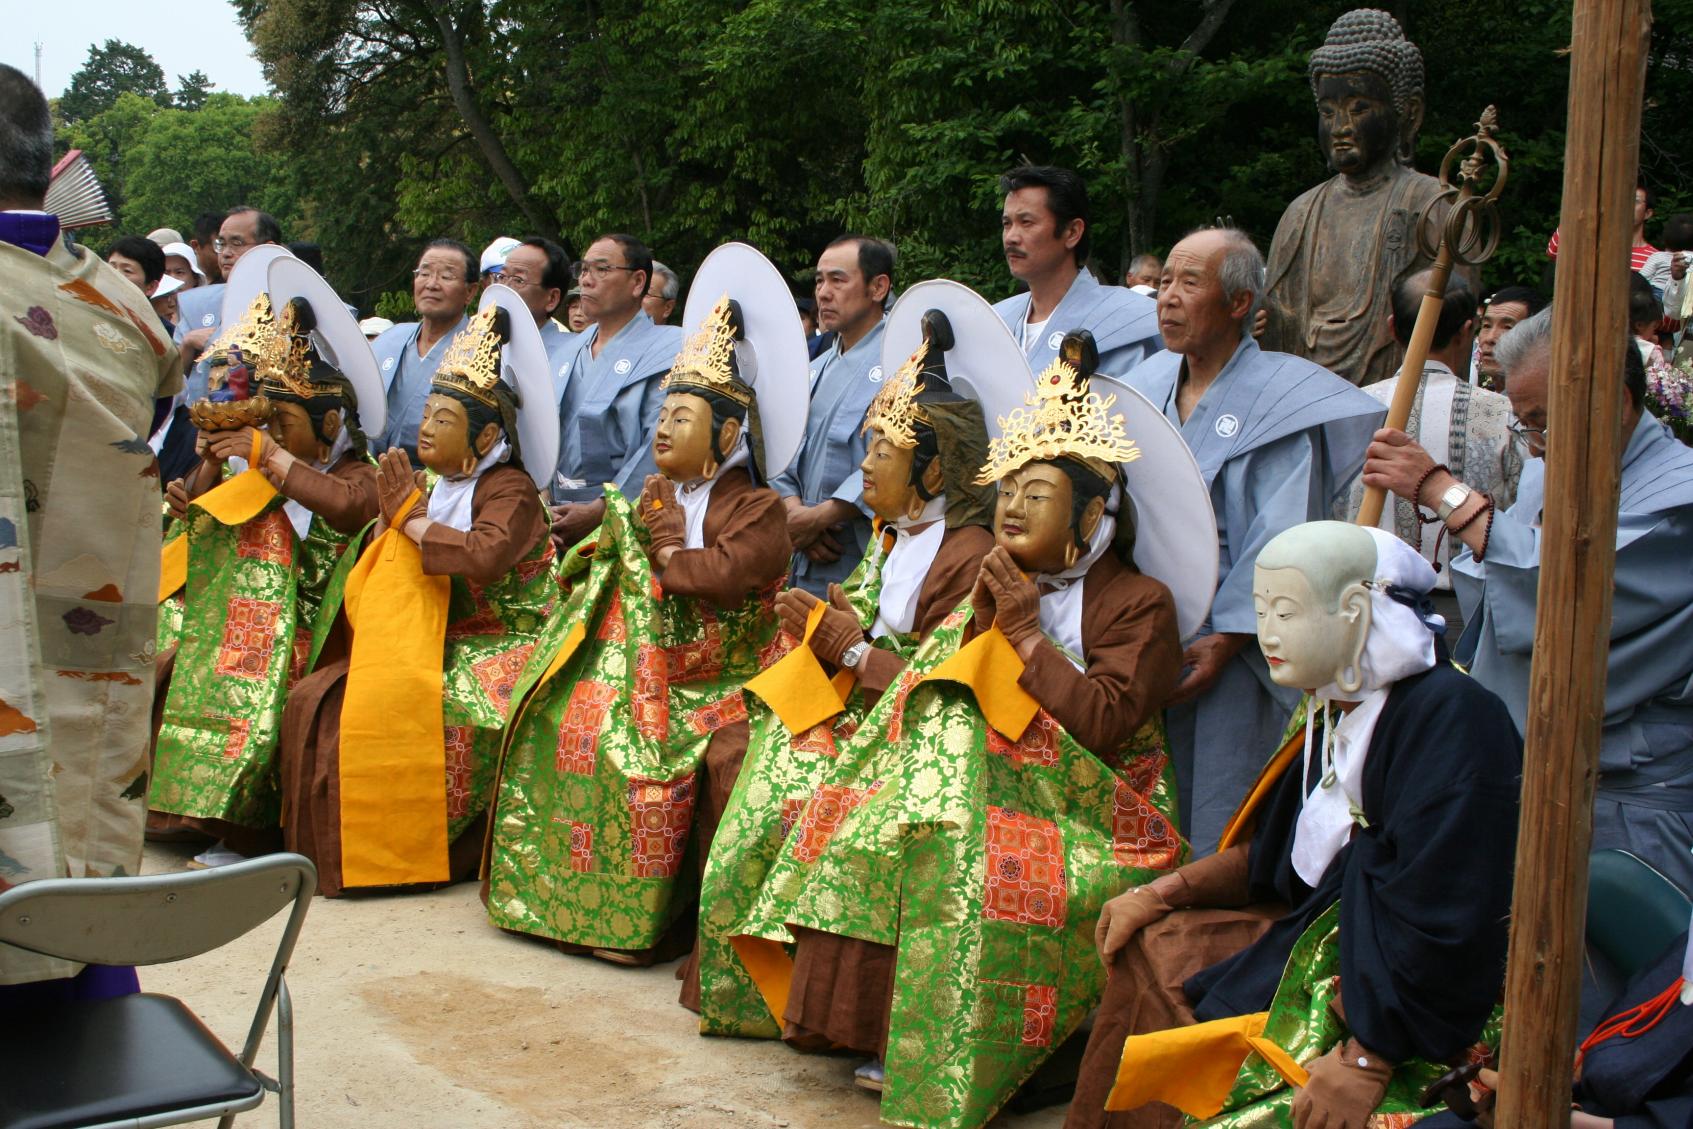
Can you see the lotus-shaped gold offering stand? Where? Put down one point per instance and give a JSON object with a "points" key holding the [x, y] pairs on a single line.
{"points": [[229, 415]]}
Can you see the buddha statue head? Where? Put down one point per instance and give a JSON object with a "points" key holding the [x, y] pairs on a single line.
{"points": [[311, 401], [1311, 592], [1057, 464], [708, 401], [469, 408], [1367, 79]]}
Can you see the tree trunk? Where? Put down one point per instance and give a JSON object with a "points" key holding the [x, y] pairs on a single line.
{"points": [[481, 130]]}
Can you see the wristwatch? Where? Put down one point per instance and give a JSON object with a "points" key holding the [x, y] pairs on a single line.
{"points": [[853, 655], [1455, 496]]}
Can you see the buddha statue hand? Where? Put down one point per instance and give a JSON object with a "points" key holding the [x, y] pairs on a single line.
{"points": [[1126, 915], [394, 484], [1016, 599], [176, 499], [837, 630], [1345, 1087], [661, 512]]}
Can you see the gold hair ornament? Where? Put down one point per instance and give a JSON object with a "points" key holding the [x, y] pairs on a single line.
{"points": [[251, 334], [894, 412], [285, 363], [472, 362], [1067, 421], [706, 361]]}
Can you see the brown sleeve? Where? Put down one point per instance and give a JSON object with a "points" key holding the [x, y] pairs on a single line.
{"points": [[951, 576], [506, 522], [749, 552], [1132, 667], [344, 496]]}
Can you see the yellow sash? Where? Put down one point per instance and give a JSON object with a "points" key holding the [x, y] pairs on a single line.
{"points": [[990, 666], [393, 770], [238, 500], [1194, 1068], [795, 687], [1244, 819]]}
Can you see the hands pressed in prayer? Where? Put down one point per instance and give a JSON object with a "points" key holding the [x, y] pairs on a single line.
{"points": [[1016, 600], [573, 521], [394, 484], [1124, 916], [1345, 1087], [659, 510], [1203, 663], [836, 631]]}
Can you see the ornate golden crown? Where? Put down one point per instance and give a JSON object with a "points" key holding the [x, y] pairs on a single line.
{"points": [[251, 334], [894, 412], [285, 362], [706, 361], [1068, 421], [472, 362]]}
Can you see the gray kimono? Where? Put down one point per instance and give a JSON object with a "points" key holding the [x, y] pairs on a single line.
{"points": [[561, 346], [1645, 789], [1276, 437], [199, 308], [842, 386], [1124, 324], [608, 408], [406, 376]]}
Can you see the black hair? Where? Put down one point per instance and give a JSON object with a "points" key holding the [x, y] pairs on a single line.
{"points": [[206, 226], [875, 257], [1529, 296], [470, 274], [1066, 198], [723, 409], [265, 227], [144, 251], [1634, 375], [1651, 196], [1457, 307], [638, 255], [557, 274], [26, 139], [1677, 234], [1085, 486], [1643, 303], [309, 253], [928, 449]]}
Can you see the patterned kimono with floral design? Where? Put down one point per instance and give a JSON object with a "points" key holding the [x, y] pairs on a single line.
{"points": [[82, 360], [595, 801], [984, 861], [244, 628]]}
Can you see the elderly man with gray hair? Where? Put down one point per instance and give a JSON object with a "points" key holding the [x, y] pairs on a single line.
{"points": [[1645, 790], [662, 292], [1276, 438]]}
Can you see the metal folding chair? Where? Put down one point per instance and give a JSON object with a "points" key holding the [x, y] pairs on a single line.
{"points": [[146, 1060]]}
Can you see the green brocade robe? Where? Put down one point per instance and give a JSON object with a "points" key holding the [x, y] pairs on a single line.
{"points": [[984, 861], [243, 631], [596, 793]]}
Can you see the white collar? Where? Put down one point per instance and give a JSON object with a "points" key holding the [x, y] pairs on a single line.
{"points": [[298, 515], [916, 541], [449, 501], [695, 496]]}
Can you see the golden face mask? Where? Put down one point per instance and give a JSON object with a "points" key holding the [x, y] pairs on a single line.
{"points": [[682, 439], [1033, 519], [443, 438]]}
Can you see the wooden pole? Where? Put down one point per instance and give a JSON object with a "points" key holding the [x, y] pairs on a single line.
{"points": [[1566, 702]]}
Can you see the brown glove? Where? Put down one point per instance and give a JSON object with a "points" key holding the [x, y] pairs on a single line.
{"points": [[1124, 916], [661, 513], [1345, 1087], [837, 630], [1216, 882], [394, 484], [1016, 599]]}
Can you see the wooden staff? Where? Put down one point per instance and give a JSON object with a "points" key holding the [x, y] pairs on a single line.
{"points": [[1566, 700], [1469, 235]]}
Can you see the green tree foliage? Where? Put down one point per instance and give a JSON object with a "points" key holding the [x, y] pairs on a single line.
{"points": [[192, 89], [111, 71]]}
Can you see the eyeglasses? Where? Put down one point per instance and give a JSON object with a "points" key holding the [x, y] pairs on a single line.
{"points": [[233, 243], [1527, 435], [514, 279], [599, 268], [430, 274]]}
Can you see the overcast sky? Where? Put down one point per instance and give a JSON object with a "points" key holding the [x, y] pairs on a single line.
{"points": [[180, 34]]}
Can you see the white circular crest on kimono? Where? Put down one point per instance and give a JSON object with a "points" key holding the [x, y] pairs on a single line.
{"points": [[209, 319], [1056, 339], [621, 368], [387, 363], [875, 375], [1227, 425]]}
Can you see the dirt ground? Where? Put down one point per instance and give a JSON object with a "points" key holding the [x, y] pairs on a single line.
{"points": [[412, 1012]]}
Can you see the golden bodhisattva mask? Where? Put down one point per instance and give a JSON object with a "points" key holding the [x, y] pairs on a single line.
{"points": [[888, 489], [290, 428], [682, 447], [1033, 519], [444, 442]]}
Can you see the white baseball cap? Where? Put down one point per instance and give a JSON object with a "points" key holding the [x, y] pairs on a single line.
{"points": [[494, 255], [167, 284], [372, 327], [184, 251]]}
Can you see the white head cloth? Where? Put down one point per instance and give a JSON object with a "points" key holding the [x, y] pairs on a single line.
{"points": [[1400, 644], [300, 517], [907, 567], [1061, 607], [449, 502]]}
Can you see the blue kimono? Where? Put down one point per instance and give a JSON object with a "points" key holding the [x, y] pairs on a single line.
{"points": [[199, 308], [561, 346], [842, 386], [1277, 438], [608, 408], [1124, 324], [406, 376], [1645, 789]]}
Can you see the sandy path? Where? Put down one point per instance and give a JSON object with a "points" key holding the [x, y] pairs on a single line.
{"points": [[412, 1012]]}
